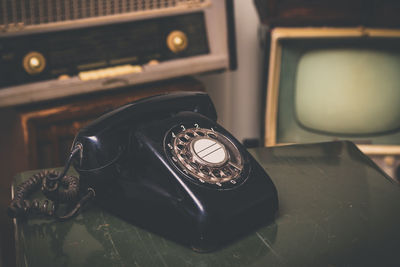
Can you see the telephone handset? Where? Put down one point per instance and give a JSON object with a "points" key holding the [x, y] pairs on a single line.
{"points": [[164, 164]]}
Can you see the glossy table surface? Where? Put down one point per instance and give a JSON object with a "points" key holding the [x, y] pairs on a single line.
{"points": [[336, 209]]}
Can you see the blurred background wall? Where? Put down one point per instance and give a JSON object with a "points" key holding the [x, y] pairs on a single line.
{"points": [[237, 94]]}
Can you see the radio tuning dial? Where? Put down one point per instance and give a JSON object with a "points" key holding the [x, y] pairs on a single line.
{"points": [[177, 41], [34, 63]]}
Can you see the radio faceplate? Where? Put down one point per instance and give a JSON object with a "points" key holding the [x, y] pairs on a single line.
{"points": [[51, 60], [70, 52]]}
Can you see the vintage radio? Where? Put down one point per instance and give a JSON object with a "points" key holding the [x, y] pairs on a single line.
{"points": [[52, 49]]}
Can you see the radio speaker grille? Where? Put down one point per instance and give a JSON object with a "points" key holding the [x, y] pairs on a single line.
{"points": [[34, 12]]}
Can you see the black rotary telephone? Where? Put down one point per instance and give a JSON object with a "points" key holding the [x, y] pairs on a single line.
{"points": [[164, 164]]}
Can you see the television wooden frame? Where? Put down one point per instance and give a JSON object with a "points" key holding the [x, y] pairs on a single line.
{"points": [[279, 34]]}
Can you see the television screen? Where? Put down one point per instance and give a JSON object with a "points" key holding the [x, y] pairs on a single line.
{"points": [[332, 89]]}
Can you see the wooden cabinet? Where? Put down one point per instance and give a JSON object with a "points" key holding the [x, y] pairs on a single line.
{"points": [[48, 130]]}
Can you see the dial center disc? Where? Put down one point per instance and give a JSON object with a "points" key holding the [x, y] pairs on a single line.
{"points": [[209, 150]]}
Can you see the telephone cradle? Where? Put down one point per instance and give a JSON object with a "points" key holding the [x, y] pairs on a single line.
{"points": [[164, 164]]}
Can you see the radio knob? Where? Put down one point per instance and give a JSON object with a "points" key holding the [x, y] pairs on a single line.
{"points": [[177, 41], [34, 63]]}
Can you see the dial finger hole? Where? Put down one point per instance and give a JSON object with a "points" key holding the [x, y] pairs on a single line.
{"points": [[180, 147], [190, 134], [204, 170], [213, 136], [193, 165], [183, 139], [227, 171], [186, 156], [200, 133], [234, 168], [217, 173]]}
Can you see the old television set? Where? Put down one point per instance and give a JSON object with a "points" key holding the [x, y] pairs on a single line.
{"points": [[329, 84]]}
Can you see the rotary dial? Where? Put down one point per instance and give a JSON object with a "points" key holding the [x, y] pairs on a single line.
{"points": [[206, 155]]}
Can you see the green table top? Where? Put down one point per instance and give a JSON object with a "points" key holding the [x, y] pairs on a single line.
{"points": [[336, 209]]}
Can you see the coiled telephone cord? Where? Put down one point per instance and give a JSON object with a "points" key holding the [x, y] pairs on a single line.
{"points": [[57, 187]]}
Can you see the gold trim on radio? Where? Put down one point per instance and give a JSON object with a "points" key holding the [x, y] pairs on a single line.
{"points": [[109, 72]]}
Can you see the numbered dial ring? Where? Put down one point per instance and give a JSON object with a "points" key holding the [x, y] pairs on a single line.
{"points": [[206, 155]]}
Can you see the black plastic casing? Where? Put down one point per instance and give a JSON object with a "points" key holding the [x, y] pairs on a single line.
{"points": [[105, 139], [142, 185]]}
